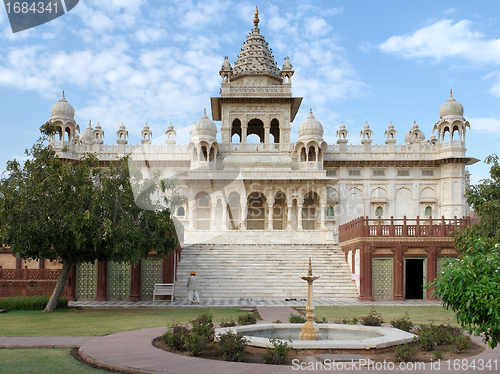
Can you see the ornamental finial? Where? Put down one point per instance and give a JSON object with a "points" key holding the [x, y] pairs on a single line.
{"points": [[256, 18]]}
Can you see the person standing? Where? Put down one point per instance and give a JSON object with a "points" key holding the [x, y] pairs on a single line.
{"points": [[192, 286]]}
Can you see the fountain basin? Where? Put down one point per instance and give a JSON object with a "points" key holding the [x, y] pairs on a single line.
{"points": [[332, 336]]}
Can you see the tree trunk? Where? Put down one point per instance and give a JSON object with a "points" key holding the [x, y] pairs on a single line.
{"points": [[61, 282]]}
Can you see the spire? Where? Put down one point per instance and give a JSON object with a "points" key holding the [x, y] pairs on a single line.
{"points": [[63, 98], [256, 18], [204, 113], [310, 113], [451, 96]]}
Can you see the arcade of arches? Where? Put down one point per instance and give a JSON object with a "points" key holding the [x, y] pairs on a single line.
{"points": [[257, 211]]}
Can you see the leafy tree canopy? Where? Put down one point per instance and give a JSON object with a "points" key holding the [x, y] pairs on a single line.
{"points": [[470, 285], [77, 212]]}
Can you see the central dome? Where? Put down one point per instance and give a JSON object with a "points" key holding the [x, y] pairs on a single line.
{"points": [[311, 127], [204, 125], [62, 109], [451, 108]]}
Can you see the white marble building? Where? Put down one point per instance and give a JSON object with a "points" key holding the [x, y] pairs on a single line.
{"points": [[275, 186]]}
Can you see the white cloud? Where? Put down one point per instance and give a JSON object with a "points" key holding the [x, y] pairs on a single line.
{"points": [[489, 125], [316, 27], [443, 39], [449, 11]]}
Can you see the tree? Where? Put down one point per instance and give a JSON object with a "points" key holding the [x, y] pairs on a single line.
{"points": [[76, 212], [470, 285]]}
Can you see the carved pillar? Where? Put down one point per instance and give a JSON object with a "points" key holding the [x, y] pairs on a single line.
{"points": [[212, 216], [299, 217], [224, 217], [323, 216], [244, 129], [102, 281], [243, 218], [431, 270], [270, 215], [191, 215], [289, 218], [365, 273], [135, 284], [267, 130], [398, 274]]}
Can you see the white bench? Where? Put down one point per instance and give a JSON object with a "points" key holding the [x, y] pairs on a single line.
{"points": [[164, 289]]}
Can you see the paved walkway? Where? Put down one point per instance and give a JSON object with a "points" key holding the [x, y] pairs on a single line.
{"points": [[132, 352], [256, 303]]}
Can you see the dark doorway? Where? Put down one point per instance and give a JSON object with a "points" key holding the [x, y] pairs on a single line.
{"points": [[414, 278]]}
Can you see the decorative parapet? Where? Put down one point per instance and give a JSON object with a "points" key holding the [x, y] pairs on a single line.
{"points": [[364, 227]]}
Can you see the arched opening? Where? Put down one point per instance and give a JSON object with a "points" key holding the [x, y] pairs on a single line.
{"points": [[379, 212], [253, 139], [446, 131], [275, 130], [428, 211], [204, 153], [202, 211], [236, 138], [59, 130], [256, 212], [455, 129], [256, 126], [67, 136], [212, 154], [310, 211], [233, 211], [312, 154], [330, 212], [279, 211], [236, 130], [181, 212], [303, 156]]}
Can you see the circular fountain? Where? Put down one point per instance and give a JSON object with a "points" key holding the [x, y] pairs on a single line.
{"points": [[320, 336]]}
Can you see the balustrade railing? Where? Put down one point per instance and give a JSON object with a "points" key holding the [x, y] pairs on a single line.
{"points": [[418, 227]]}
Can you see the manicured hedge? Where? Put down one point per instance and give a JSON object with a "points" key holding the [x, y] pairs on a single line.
{"points": [[29, 303]]}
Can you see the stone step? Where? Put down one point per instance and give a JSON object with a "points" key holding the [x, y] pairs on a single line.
{"points": [[265, 271]]}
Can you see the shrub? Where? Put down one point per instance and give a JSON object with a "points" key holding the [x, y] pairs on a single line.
{"points": [[176, 336], [228, 323], [195, 343], [296, 319], [404, 352], [461, 342], [231, 346], [347, 321], [247, 319], [277, 321], [30, 303], [437, 354], [203, 326], [403, 323], [372, 319], [278, 354], [430, 336]]}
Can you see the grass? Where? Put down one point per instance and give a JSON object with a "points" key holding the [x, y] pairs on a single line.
{"points": [[92, 322], [418, 314], [42, 361]]}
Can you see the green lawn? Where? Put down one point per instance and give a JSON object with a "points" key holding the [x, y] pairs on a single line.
{"points": [[42, 361], [418, 314], [91, 322]]}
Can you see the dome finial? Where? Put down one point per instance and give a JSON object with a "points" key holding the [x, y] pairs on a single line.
{"points": [[256, 18], [63, 98], [311, 113], [205, 113]]}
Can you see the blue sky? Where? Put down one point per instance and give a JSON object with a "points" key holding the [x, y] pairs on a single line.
{"points": [[134, 61]]}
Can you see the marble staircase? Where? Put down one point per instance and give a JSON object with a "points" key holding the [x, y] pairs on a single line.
{"points": [[264, 271]]}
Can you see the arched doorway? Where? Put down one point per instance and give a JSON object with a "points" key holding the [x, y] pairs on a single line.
{"points": [[202, 211], [310, 210], [233, 211], [279, 211], [256, 126], [256, 212]]}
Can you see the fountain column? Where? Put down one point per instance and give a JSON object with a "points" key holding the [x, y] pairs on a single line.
{"points": [[310, 330]]}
